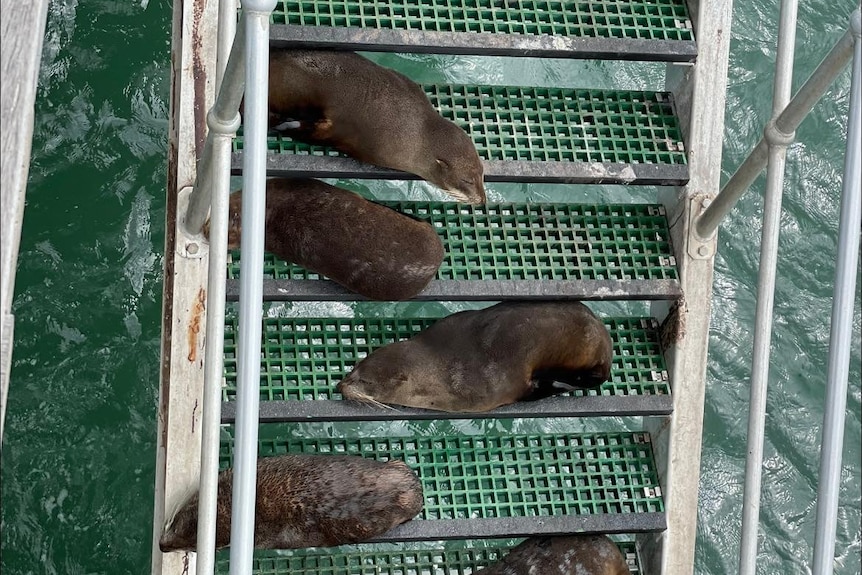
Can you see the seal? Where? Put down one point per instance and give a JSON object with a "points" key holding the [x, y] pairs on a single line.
{"points": [[475, 361], [309, 501], [368, 248], [565, 555], [373, 114]]}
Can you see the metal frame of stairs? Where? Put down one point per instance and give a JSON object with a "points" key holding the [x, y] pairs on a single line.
{"points": [[666, 453]]}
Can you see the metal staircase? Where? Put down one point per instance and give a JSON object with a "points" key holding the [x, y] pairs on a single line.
{"points": [[500, 486], [606, 460]]}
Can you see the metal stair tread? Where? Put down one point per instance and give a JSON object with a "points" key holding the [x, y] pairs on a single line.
{"points": [[516, 485], [658, 30], [518, 250], [302, 360], [457, 557], [529, 134]]}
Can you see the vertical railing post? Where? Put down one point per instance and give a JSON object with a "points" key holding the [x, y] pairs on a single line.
{"points": [[256, 16], [832, 443], [778, 143], [222, 131]]}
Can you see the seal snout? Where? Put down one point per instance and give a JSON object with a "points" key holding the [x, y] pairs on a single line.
{"points": [[347, 386], [469, 192]]}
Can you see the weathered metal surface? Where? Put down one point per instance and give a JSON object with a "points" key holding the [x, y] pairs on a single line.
{"points": [[193, 53], [538, 46], [700, 96], [23, 27], [304, 166], [306, 411], [477, 290], [443, 529]]}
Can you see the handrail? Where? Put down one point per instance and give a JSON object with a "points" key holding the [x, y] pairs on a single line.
{"points": [[221, 132], [224, 111], [257, 15], [780, 128], [831, 445], [766, 293]]}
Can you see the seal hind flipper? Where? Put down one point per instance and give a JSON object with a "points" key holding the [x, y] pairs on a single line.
{"points": [[548, 382]]}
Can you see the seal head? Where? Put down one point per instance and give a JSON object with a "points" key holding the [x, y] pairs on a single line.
{"points": [[373, 114]]}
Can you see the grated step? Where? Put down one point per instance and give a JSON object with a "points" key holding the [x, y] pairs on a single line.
{"points": [[302, 360], [654, 30], [453, 558], [518, 250], [516, 485], [524, 134]]}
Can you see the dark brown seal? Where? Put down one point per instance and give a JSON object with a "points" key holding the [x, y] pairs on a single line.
{"points": [[310, 501], [372, 113], [566, 555], [478, 360], [368, 248]]}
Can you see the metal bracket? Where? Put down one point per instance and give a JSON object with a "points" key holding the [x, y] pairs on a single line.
{"points": [[188, 246], [699, 248]]}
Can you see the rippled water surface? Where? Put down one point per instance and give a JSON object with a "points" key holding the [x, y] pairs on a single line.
{"points": [[79, 449]]}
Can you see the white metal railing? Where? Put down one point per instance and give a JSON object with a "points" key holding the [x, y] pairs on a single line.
{"points": [[211, 191], [787, 114], [831, 445], [784, 125], [257, 14], [778, 143], [246, 66]]}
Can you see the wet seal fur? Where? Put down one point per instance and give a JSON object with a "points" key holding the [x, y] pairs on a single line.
{"points": [[309, 501], [373, 114], [565, 555], [475, 361], [367, 248]]}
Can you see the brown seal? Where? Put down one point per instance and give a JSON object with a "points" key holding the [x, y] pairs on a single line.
{"points": [[309, 501], [565, 555], [368, 248], [372, 113], [477, 360]]}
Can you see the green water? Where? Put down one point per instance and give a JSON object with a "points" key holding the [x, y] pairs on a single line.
{"points": [[79, 447]]}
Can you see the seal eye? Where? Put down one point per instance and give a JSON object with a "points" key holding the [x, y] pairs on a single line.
{"points": [[443, 164]]}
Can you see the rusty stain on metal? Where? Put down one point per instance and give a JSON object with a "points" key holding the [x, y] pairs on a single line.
{"points": [[200, 78], [195, 324]]}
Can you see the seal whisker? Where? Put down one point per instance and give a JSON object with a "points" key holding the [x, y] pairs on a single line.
{"points": [[367, 399]]}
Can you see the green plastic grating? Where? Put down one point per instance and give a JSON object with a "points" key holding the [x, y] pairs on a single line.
{"points": [[514, 476], [406, 560], [533, 242], [644, 19], [549, 124], [304, 358]]}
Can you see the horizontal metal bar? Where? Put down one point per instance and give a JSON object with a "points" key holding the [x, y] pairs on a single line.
{"points": [[560, 406], [440, 529], [478, 290], [472, 43], [304, 166], [783, 128]]}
